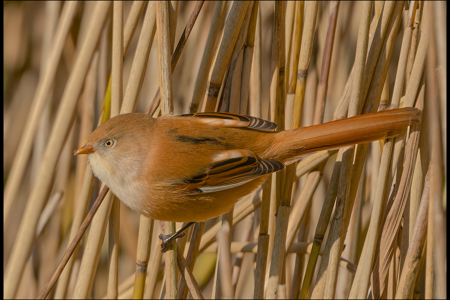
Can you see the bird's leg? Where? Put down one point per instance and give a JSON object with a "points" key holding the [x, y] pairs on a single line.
{"points": [[166, 239]]}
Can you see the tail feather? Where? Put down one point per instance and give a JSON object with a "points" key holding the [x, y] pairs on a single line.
{"points": [[356, 130]]}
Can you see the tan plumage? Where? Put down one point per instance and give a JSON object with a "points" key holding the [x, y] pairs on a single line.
{"points": [[194, 167]]}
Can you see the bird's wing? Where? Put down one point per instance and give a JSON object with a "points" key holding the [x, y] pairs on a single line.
{"points": [[233, 120], [230, 169]]}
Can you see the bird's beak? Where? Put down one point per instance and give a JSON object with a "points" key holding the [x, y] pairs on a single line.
{"points": [[86, 149]]}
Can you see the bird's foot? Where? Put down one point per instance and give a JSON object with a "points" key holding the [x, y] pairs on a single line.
{"points": [[167, 239]]}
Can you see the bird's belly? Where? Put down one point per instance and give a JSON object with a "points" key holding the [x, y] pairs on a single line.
{"points": [[172, 205]]}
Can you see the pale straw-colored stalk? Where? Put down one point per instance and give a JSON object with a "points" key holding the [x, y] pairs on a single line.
{"points": [[226, 46], [165, 81], [88, 176], [140, 61], [378, 70], [208, 54], [410, 97], [255, 96], [276, 113], [39, 102], [62, 123], [417, 244], [438, 249], [116, 100]]}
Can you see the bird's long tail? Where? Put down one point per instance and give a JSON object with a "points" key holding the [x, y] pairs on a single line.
{"points": [[356, 130]]}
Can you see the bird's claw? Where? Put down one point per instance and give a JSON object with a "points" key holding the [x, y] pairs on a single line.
{"points": [[167, 239]]}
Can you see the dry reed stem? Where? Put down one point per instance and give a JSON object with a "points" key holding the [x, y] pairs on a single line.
{"points": [[375, 76], [410, 97], [297, 247], [178, 50], [276, 264], [414, 40], [130, 25], [171, 271], [318, 114], [223, 268], [143, 254], [321, 228], [226, 46], [313, 161], [208, 54], [230, 98], [125, 287], [191, 256], [402, 64], [326, 61], [356, 101], [113, 249], [88, 177], [188, 277], [52, 10], [164, 54], [420, 170], [413, 84], [283, 189], [281, 91], [275, 65], [263, 241], [300, 7], [152, 278], [47, 212], [353, 239], [87, 121], [373, 91], [336, 237], [438, 247], [116, 108], [116, 101], [360, 60], [290, 21], [91, 253], [377, 34], [74, 244], [232, 91], [37, 106], [140, 61], [415, 250], [256, 74], [62, 123], [302, 204], [80, 211], [304, 61], [377, 210], [373, 97], [244, 235], [248, 58], [365, 266], [235, 91], [165, 82], [391, 223], [440, 35]]}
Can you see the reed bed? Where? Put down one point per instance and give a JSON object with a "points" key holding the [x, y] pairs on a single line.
{"points": [[366, 221]]}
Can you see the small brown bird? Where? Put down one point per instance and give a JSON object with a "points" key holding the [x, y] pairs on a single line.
{"points": [[196, 166]]}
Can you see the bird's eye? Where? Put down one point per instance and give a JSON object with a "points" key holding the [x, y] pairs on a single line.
{"points": [[109, 143]]}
